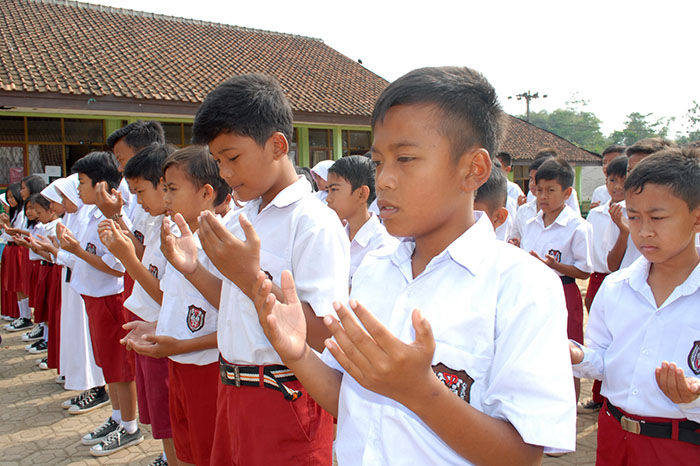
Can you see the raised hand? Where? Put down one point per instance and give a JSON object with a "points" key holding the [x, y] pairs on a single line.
{"points": [[22, 240], [522, 199], [616, 216], [4, 220], [181, 252], [115, 240], [51, 245], [66, 239], [110, 204], [675, 385], [138, 331], [548, 259]]}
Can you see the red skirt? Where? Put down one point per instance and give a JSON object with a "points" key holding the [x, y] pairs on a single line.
{"points": [[42, 298], [12, 267], [32, 284], [54, 315], [8, 272]]}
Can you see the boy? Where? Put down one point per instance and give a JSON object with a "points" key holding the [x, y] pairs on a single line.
{"points": [[600, 194], [506, 160], [571, 201], [453, 394], [529, 209], [98, 277], [491, 198], [561, 239], [645, 147], [648, 359], [350, 192], [247, 124]]}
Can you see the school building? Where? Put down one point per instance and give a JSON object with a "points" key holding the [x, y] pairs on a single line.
{"points": [[71, 73]]}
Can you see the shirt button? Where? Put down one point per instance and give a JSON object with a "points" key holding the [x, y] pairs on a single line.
{"points": [[645, 352], [410, 294], [635, 391]]}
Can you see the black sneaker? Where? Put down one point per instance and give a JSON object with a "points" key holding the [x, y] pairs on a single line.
{"points": [[38, 347], [99, 434], [68, 403], [37, 333], [92, 400], [19, 324], [589, 407], [115, 441], [158, 462]]}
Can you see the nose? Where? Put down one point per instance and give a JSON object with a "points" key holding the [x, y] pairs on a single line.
{"points": [[385, 177], [645, 228]]}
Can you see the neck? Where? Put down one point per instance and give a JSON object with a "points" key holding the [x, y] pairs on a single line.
{"points": [[357, 221], [287, 177], [551, 216], [680, 266], [430, 245]]}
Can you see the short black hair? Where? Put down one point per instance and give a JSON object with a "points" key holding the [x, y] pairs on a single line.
{"points": [[34, 183], [556, 169], [494, 192], [99, 166], [148, 163], [469, 110], [251, 105], [201, 169], [505, 158], [617, 167], [648, 146], [37, 198], [138, 134], [677, 169], [537, 163], [358, 170], [613, 149]]}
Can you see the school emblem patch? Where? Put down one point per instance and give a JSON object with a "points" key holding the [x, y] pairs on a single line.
{"points": [[153, 270], [555, 254], [694, 358], [459, 382], [91, 248], [139, 236], [195, 318]]}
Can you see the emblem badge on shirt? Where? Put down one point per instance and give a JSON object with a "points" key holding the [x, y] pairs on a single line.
{"points": [[139, 236], [555, 254], [91, 248], [195, 318], [459, 382], [694, 358], [153, 270]]}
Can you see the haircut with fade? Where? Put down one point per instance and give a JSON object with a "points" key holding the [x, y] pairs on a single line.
{"points": [[470, 115], [493, 193], [505, 158], [37, 198], [34, 183], [138, 135], [358, 170], [251, 105], [200, 169], [612, 149], [537, 163], [677, 169], [148, 163], [617, 167], [649, 145], [556, 169], [99, 166]]}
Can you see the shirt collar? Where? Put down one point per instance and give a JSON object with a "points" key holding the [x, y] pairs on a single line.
{"points": [[566, 214], [639, 274], [366, 231], [288, 196]]}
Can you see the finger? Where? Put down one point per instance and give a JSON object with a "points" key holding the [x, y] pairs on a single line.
{"points": [[347, 363], [131, 325], [182, 225], [681, 382], [261, 290], [424, 332], [352, 339], [668, 371], [379, 333], [289, 289], [213, 226], [251, 236], [693, 384]]}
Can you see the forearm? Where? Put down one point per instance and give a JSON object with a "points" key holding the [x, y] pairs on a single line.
{"points": [[96, 262], [316, 330], [204, 342], [148, 282], [570, 270], [321, 381], [207, 284], [617, 253], [138, 247], [44, 254]]}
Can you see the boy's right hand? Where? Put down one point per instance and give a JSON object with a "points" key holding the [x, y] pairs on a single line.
{"points": [[522, 199], [115, 240], [109, 204], [138, 330], [618, 219], [576, 353], [181, 252]]}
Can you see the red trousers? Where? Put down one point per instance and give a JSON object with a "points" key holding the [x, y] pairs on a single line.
{"points": [[9, 280], [574, 306]]}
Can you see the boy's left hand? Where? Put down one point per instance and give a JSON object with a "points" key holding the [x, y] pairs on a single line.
{"points": [[155, 346], [115, 240], [377, 359], [548, 260], [675, 385], [109, 204]]}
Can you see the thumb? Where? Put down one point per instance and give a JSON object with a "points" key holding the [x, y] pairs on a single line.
{"points": [[289, 290], [424, 333], [151, 338]]}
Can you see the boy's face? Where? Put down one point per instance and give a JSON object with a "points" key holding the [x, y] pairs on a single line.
{"points": [[551, 196], [341, 198], [183, 197], [661, 225], [123, 153], [150, 198], [616, 187], [634, 159], [607, 158], [86, 190]]}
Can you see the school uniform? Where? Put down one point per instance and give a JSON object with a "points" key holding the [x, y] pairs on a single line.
{"points": [[514, 191], [193, 377], [139, 219], [503, 232], [571, 201], [605, 234], [628, 336], [568, 239], [523, 215], [300, 234], [371, 236], [600, 195], [500, 331], [30, 274], [10, 270]]}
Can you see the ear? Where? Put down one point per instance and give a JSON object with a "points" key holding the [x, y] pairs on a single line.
{"points": [[363, 193], [568, 191], [696, 215], [208, 192], [279, 144], [499, 217], [474, 169]]}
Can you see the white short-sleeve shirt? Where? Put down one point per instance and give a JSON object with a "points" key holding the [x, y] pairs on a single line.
{"points": [[498, 317], [34, 230], [525, 212], [604, 235], [600, 195], [628, 337], [370, 237], [298, 233], [514, 191]]}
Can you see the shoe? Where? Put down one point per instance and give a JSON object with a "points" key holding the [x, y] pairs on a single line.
{"points": [[7, 318], [588, 407], [60, 379], [44, 364], [93, 399], [115, 441], [68, 403], [158, 462], [39, 361], [19, 324], [37, 333], [38, 347], [99, 434]]}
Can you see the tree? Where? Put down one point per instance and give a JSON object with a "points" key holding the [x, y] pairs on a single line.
{"points": [[691, 126], [638, 127]]}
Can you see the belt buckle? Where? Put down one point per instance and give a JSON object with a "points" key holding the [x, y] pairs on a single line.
{"points": [[630, 425], [237, 375]]}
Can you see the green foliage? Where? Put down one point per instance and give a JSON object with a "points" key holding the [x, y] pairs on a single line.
{"points": [[639, 127], [691, 126]]}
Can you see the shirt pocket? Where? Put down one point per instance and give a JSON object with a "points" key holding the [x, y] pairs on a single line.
{"points": [[461, 371], [686, 354], [273, 265]]}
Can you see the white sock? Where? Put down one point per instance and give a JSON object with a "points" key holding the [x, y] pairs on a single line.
{"points": [[46, 332], [116, 415], [165, 457], [130, 426], [24, 310]]}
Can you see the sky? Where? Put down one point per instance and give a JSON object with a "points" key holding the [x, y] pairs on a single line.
{"points": [[618, 56]]}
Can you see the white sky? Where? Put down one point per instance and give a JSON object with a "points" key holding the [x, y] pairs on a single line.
{"points": [[621, 56]]}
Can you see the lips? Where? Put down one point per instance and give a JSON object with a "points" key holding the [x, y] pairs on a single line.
{"points": [[386, 209]]}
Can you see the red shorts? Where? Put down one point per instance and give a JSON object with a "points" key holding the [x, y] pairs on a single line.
{"points": [[193, 410], [574, 306], [617, 447], [258, 426], [593, 286], [31, 282], [152, 394], [105, 319]]}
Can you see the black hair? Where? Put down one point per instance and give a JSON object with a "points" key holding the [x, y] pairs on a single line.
{"points": [[358, 170], [648, 146], [613, 149], [617, 167], [34, 183], [505, 158], [148, 163], [556, 169], [99, 166], [138, 135], [470, 114], [201, 169], [537, 163], [37, 198], [14, 190], [494, 192], [251, 105], [677, 169], [30, 223]]}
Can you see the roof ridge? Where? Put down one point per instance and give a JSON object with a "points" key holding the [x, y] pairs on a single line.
{"points": [[145, 14], [557, 136]]}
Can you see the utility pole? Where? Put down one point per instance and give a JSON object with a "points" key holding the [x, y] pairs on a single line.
{"points": [[528, 96]]}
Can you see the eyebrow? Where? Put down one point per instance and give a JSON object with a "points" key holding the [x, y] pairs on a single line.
{"points": [[397, 145], [333, 184], [655, 209]]}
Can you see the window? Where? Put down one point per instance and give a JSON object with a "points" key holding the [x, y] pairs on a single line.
{"points": [[11, 164], [521, 176], [356, 142], [11, 128], [320, 145], [83, 131]]}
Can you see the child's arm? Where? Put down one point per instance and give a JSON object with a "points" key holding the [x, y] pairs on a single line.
{"points": [[110, 205], [676, 386], [566, 269], [617, 253], [72, 245], [39, 248], [161, 346], [47, 244], [119, 244]]}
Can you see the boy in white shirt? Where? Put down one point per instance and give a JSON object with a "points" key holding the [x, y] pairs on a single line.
{"points": [[491, 198], [642, 336], [600, 194], [465, 392], [529, 209], [506, 160], [571, 201], [350, 192]]}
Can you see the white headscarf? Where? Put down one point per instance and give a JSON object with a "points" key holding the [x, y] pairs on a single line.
{"points": [[69, 188], [51, 193], [321, 168]]}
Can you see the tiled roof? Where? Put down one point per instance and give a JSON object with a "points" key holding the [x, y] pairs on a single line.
{"points": [[70, 48], [523, 140]]}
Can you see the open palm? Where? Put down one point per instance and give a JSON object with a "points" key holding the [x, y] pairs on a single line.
{"points": [[181, 251]]}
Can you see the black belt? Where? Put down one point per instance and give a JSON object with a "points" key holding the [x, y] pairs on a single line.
{"points": [[566, 280], [686, 429], [273, 376], [50, 264], [11, 243], [68, 274]]}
